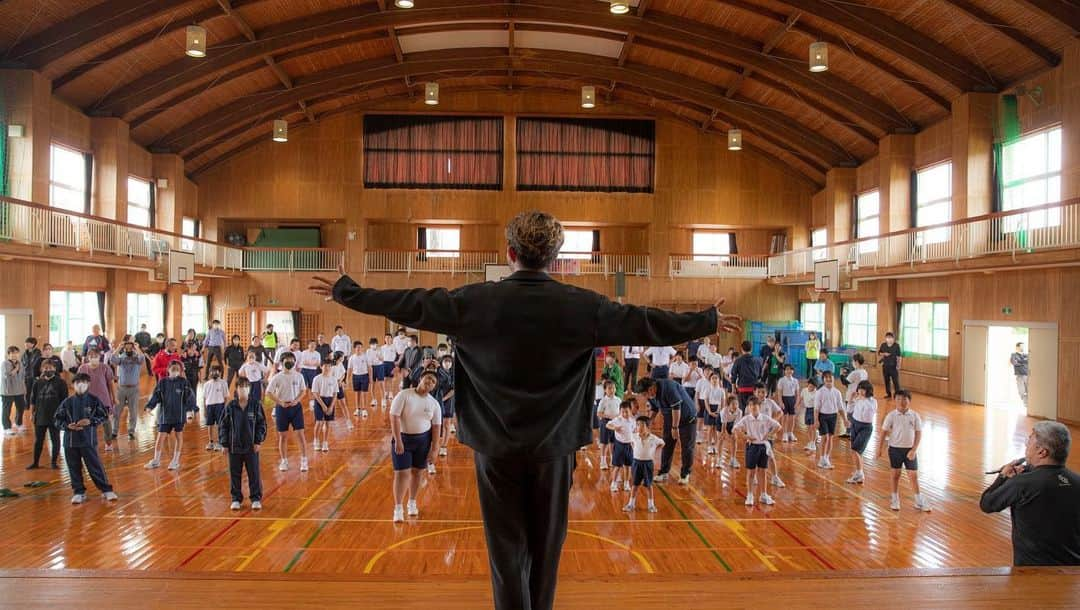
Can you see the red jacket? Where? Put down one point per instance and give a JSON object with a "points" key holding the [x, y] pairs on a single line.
{"points": [[161, 362]]}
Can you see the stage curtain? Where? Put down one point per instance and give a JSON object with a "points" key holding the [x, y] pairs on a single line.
{"points": [[409, 151], [575, 154]]}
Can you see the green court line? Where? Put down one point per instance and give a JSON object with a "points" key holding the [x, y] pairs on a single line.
{"points": [[318, 530], [693, 527]]}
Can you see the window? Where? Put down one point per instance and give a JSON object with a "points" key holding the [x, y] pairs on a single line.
{"points": [[605, 155], [139, 210], [818, 240], [194, 313], [712, 246], [577, 245], [812, 316], [440, 242], [189, 227], [924, 328], [1032, 177], [410, 151], [860, 324], [148, 309], [868, 210], [933, 189], [71, 315], [68, 180]]}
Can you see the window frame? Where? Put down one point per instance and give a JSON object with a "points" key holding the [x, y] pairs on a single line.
{"points": [[940, 234], [446, 252], [866, 245], [1041, 219], [723, 256], [187, 319], [933, 331], [187, 241], [820, 251], [803, 306], [577, 254], [63, 333], [870, 325], [148, 208], [54, 183], [155, 311]]}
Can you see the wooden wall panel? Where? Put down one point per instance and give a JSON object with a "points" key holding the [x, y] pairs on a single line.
{"points": [[867, 176], [140, 162], [933, 144], [69, 125]]}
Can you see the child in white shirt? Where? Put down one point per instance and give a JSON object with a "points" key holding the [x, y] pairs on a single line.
{"points": [[788, 389], [770, 409], [622, 454], [902, 431], [806, 405], [757, 427], [339, 372], [607, 410], [324, 389], [861, 415], [361, 378], [714, 403], [701, 397], [726, 424], [828, 403], [378, 374], [644, 445], [215, 395]]}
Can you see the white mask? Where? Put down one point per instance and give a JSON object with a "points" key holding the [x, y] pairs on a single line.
{"points": [[243, 394], [82, 387], [95, 360], [174, 373]]}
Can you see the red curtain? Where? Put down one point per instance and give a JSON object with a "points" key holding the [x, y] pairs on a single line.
{"points": [[562, 154], [408, 151]]}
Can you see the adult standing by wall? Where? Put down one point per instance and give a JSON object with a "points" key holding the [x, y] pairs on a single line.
{"points": [[890, 358], [1021, 368], [96, 340], [1043, 497], [525, 429], [214, 346], [745, 373], [813, 349]]}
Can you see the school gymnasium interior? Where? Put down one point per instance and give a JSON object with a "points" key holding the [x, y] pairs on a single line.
{"points": [[844, 167]]}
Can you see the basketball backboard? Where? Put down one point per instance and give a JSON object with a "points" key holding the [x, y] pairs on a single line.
{"points": [[831, 276]]}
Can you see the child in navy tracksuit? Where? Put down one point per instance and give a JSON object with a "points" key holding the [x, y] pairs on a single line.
{"points": [[79, 416], [242, 432], [176, 398]]}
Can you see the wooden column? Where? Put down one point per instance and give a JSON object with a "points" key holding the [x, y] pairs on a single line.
{"points": [[170, 203], [116, 291], [173, 311], [29, 101], [896, 157], [109, 141], [839, 189], [973, 119], [1070, 120]]}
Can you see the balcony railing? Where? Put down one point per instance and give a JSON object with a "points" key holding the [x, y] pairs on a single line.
{"points": [[291, 259], [428, 261], [601, 263], [1037, 229], [38, 225], [751, 266]]}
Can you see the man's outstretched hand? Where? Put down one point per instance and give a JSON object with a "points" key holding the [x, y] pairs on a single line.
{"points": [[727, 322], [324, 287]]}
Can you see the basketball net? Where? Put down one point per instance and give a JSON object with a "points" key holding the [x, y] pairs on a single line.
{"points": [[815, 294], [193, 285]]}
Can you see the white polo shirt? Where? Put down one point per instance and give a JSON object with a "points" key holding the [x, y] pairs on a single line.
{"points": [[388, 353], [287, 386], [691, 378], [730, 415], [701, 390], [341, 343], [624, 429], [788, 386], [400, 343], [770, 408], [373, 357], [828, 401], [309, 360], [631, 352], [215, 392], [854, 377], [645, 448], [254, 371], [358, 364], [757, 429], [901, 428], [324, 386], [609, 407], [660, 356], [809, 398], [678, 370], [864, 410], [418, 413], [717, 395]]}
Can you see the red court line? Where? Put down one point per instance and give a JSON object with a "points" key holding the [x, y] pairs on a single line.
{"points": [[223, 531], [804, 545]]}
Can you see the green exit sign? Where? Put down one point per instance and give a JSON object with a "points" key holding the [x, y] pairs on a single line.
{"points": [[271, 301], [1006, 310]]}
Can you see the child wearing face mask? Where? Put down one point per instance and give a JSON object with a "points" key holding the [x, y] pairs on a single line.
{"points": [[101, 385], [79, 416], [215, 395], [176, 398], [242, 433], [446, 387], [48, 392]]}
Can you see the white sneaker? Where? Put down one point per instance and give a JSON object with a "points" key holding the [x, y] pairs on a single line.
{"points": [[661, 478], [11, 432], [894, 503], [711, 451], [374, 403], [442, 452], [413, 511], [363, 414], [234, 506], [174, 465], [628, 507], [152, 464], [603, 465], [811, 447], [734, 463], [777, 481], [356, 413], [210, 446], [453, 429], [652, 507], [626, 485], [431, 468], [399, 514], [350, 424], [829, 464], [111, 496], [614, 486], [303, 464], [283, 465], [77, 498], [922, 504], [749, 500], [315, 445], [219, 447], [684, 480], [699, 441], [325, 446], [854, 478], [767, 499], [256, 505]]}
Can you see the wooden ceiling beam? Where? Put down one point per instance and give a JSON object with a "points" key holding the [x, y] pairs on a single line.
{"points": [[1012, 33], [771, 122], [766, 48], [692, 36], [624, 53], [1065, 12]]}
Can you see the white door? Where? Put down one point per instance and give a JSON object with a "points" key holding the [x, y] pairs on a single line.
{"points": [[974, 355], [1042, 381]]}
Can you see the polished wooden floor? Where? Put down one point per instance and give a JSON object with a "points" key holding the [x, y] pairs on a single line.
{"points": [[335, 521]]}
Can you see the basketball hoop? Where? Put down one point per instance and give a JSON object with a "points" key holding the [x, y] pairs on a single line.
{"points": [[193, 285], [815, 293]]}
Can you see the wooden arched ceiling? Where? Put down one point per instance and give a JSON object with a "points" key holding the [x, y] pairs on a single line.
{"points": [[894, 64]]}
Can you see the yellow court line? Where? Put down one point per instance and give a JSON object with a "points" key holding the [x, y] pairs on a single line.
{"points": [[737, 529], [375, 559], [279, 525]]}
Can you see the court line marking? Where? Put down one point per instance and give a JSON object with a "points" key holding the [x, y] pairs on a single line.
{"points": [[173, 475], [279, 525], [296, 558], [737, 529], [622, 521], [222, 532], [375, 559], [694, 528]]}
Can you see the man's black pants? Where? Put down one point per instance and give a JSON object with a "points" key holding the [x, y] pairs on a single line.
{"points": [[630, 373], [687, 440], [892, 380], [524, 505]]}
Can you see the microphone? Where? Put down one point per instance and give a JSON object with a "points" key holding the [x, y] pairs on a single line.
{"points": [[1019, 462]]}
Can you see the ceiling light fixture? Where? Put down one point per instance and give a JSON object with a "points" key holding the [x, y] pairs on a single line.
{"points": [[588, 96], [196, 41], [819, 57], [734, 139], [281, 130], [620, 7], [431, 94], [404, 3]]}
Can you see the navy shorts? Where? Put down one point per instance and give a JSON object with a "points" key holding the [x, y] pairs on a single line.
{"points": [[387, 369], [167, 428], [642, 472], [826, 423], [622, 454], [321, 415], [659, 372], [789, 404], [309, 376], [860, 435], [808, 417], [416, 449], [378, 372], [728, 427], [213, 414], [341, 392], [595, 417], [757, 456], [701, 412], [607, 437], [448, 408], [898, 458], [289, 416], [359, 383]]}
